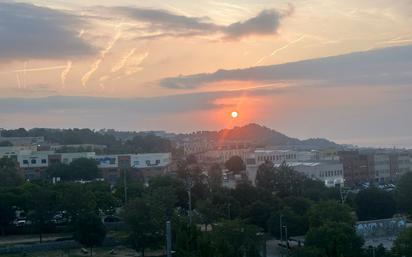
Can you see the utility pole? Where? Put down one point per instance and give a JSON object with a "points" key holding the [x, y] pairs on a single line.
{"points": [[281, 234], [189, 193], [168, 239], [286, 237]]}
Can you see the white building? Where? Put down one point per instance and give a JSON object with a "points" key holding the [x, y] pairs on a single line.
{"points": [[67, 158], [34, 160], [106, 161], [330, 173], [10, 151], [150, 160]]}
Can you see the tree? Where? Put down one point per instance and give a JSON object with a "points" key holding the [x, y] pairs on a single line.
{"points": [[9, 174], [404, 193], [330, 211], [190, 241], [284, 181], [296, 224], [245, 194], [89, 231], [144, 229], [334, 239], [258, 214], [403, 244], [85, 169], [215, 177], [42, 205], [75, 199], [8, 199], [79, 169], [265, 176], [235, 164], [236, 239], [374, 203]]}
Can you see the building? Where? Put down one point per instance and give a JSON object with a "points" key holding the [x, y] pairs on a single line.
{"points": [[379, 165], [400, 163], [355, 167], [33, 163], [329, 172]]}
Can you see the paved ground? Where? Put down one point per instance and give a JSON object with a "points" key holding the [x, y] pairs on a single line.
{"points": [[26, 239]]}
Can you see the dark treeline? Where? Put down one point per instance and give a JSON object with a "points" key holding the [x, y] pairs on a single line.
{"points": [[218, 221], [140, 143]]}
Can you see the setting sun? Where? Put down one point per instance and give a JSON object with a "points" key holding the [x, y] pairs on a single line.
{"points": [[234, 114]]}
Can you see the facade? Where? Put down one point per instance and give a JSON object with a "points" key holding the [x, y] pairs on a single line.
{"points": [[400, 163], [330, 172], [380, 168], [33, 163], [355, 167]]}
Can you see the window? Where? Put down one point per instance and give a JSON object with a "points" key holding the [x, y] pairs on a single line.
{"points": [[43, 161], [33, 161], [157, 162], [25, 162]]}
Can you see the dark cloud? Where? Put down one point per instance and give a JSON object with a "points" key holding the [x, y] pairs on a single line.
{"points": [[167, 20], [32, 32], [266, 22], [389, 66]]}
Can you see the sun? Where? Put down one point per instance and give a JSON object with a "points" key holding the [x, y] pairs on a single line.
{"points": [[234, 114]]}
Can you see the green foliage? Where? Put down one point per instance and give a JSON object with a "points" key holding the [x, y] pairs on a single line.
{"points": [[189, 241], [79, 169], [404, 193], [8, 199], [9, 174], [334, 239], [374, 203], [296, 224], [145, 230], [89, 230], [403, 244], [236, 239], [148, 143], [215, 177], [235, 164], [330, 211], [42, 203]]}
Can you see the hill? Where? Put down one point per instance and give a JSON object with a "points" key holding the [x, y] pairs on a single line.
{"points": [[262, 136]]}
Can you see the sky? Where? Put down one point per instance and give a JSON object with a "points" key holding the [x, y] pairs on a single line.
{"points": [[340, 70]]}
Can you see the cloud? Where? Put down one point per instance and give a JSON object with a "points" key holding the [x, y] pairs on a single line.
{"points": [[96, 64], [32, 32], [387, 66], [138, 105], [266, 22]]}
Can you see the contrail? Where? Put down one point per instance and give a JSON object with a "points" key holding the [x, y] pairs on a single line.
{"points": [[65, 72], [18, 80], [280, 49], [24, 74], [39, 69], [124, 60], [95, 66], [135, 67]]}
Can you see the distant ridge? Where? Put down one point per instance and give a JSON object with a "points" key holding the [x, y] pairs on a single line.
{"points": [[263, 136]]}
